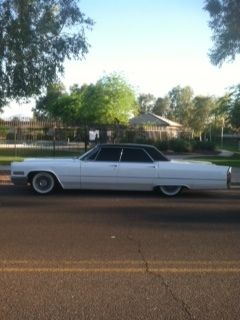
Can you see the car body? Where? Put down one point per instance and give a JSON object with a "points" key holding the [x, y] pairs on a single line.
{"points": [[120, 167]]}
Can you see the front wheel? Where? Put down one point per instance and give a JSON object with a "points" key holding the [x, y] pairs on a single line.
{"points": [[170, 191], [43, 183]]}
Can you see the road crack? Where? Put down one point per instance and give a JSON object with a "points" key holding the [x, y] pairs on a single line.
{"points": [[178, 300]]}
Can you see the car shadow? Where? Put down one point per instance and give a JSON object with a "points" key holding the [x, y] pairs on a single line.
{"points": [[132, 208]]}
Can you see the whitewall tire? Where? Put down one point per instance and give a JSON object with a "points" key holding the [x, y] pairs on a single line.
{"points": [[43, 183], [170, 191]]}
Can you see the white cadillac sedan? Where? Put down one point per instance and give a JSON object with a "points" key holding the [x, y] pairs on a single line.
{"points": [[120, 167]]}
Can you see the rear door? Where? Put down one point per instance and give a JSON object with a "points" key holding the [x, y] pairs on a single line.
{"points": [[137, 170]]}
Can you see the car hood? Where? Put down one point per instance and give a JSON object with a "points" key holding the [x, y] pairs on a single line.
{"points": [[50, 160], [44, 161]]}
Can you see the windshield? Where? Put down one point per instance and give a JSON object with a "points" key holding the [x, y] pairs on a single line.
{"points": [[88, 153]]}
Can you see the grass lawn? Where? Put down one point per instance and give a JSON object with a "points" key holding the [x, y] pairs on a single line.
{"points": [[229, 146], [233, 161], [4, 160], [8, 155]]}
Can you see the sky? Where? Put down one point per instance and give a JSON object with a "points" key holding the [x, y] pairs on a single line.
{"points": [[155, 44]]}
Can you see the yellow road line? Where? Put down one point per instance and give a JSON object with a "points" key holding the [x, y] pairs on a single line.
{"points": [[119, 266], [120, 270], [195, 270], [123, 262]]}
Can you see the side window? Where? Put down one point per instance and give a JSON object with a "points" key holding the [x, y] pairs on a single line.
{"points": [[135, 155], [109, 154], [155, 154]]}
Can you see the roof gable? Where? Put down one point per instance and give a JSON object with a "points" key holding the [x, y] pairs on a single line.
{"points": [[153, 119]]}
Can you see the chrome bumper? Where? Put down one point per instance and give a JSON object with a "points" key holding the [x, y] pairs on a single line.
{"points": [[19, 181]]}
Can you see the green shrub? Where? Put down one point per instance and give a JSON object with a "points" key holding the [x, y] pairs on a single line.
{"points": [[204, 146], [175, 145], [180, 145], [162, 145]]}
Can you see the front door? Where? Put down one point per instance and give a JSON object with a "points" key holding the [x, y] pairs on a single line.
{"points": [[101, 173]]}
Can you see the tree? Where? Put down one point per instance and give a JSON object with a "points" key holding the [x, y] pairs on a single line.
{"points": [[115, 100], [200, 117], [58, 104], [181, 104], [225, 24], [111, 100], [221, 113], [45, 103], [161, 106], [146, 102], [36, 36], [235, 109], [235, 115]]}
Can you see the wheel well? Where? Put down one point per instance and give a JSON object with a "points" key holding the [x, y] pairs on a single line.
{"points": [[32, 174], [157, 188]]}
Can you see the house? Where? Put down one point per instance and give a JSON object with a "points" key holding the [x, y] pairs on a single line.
{"points": [[157, 127]]}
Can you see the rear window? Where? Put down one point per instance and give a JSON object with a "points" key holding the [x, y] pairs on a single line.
{"points": [[155, 154]]}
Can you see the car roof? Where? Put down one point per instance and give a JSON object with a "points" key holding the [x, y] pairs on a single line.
{"points": [[122, 145]]}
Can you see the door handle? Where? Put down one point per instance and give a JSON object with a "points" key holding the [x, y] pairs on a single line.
{"points": [[113, 165]]}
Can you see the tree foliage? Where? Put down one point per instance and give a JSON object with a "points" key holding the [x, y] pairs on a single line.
{"points": [[221, 113], [201, 113], [111, 100], [36, 36], [162, 106], [235, 116], [235, 108], [181, 104], [54, 91], [146, 102], [225, 24]]}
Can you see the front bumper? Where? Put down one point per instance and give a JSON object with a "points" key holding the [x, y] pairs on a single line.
{"points": [[19, 181]]}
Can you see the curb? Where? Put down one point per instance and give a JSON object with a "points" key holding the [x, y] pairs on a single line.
{"points": [[5, 177], [235, 184]]}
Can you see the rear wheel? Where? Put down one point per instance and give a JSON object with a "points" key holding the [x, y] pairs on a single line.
{"points": [[170, 191], [43, 183]]}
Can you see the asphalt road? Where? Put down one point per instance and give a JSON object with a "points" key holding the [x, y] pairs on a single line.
{"points": [[113, 255]]}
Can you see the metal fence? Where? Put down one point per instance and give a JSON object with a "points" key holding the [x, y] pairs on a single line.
{"points": [[28, 138]]}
